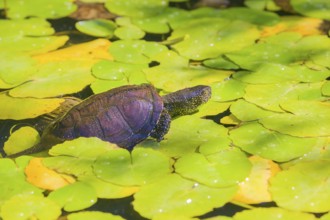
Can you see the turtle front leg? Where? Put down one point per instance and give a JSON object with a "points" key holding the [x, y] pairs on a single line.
{"points": [[162, 126]]}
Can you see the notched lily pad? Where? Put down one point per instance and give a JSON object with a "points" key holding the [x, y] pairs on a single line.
{"points": [[303, 187], [228, 90], [74, 197], [221, 169], [139, 167], [255, 139], [30, 207], [180, 197], [97, 27]]}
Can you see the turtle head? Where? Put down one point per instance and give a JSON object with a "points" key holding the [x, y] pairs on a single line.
{"points": [[186, 101]]}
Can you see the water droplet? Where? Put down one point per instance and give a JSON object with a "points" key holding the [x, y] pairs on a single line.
{"points": [[211, 44], [188, 201], [293, 188]]}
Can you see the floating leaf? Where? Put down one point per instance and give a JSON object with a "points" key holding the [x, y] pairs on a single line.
{"points": [[136, 9], [306, 119], [225, 168], [303, 187], [246, 111], [74, 197], [227, 90], [28, 107], [272, 214], [139, 167], [135, 51], [255, 188], [222, 36], [261, 4], [175, 72], [326, 88], [30, 207], [93, 215], [27, 8], [130, 32], [174, 195], [55, 79], [316, 9], [13, 182], [108, 190], [90, 52], [220, 63], [205, 134], [21, 139], [97, 27], [42, 177], [255, 139]]}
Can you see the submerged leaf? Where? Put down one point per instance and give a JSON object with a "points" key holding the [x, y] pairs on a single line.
{"points": [[174, 195], [303, 187], [93, 215]]}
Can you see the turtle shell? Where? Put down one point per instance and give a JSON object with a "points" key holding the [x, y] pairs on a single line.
{"points": [[124, 116]]}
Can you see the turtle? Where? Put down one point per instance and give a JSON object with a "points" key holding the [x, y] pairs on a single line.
{"points": [[124, 116]]}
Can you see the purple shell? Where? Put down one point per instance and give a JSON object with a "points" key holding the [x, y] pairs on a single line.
{"points": [[124, 116]]}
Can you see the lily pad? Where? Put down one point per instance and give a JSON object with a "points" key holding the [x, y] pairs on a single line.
{"points": [[21, 139], [28, 107], [107, 190], [303, 187], [93, 215], [246, 111], [133, 8], [175, 72], [135, 51], [27, 206], [306, 119], [13, 182], [205, 135], [316, 9], [255, 139], [97, 27], [326, 88], [130, 32], [255, 188], [74, 197], [222, 169], [139, 167], [222, 36], [56, 78], [178, 196], [272, 214], [227, 90]]}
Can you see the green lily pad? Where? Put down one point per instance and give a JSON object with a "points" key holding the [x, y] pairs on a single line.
{"points": [[133, 8], [222, 36], [175, 72], [316, 9], [220, 63], [93, 215], [15, 68], [135, 51], [206, 135], [272, 214], [277, 73], [27, 8], [221, 169], [55, 79], [97, 27], [303, 187], [307, 119], [21, 139], [28, 206], [28, 107], [326, 88], [107, 190], [139, 167], [212, 108], [13, 181], [175, 195], [74, 197], [261, 4], [130, 32], [246, 111], [255, 139], [227, 90], [326, 216]]}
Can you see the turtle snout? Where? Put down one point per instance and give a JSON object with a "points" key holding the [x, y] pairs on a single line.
{"points": [[206, 93]]}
